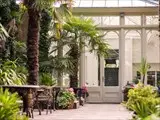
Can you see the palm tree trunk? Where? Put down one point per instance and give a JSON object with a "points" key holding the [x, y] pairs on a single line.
{"points": [[33, 43], [60, 55], [74, 76]]}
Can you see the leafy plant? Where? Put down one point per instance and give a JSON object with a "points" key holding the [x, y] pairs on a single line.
{"points": [[3, 33], [9, 75], [81, 33], [144, 66], [154, 116], [47, 79], [9, 107], [65, 99], [143, 100]]}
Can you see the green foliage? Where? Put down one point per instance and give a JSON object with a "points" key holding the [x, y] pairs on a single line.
{"points": [[81, 32], [19, 51], [3, 33], [63, 64], [154, 116], [9, 107], [10, 16], [143, 100], [47, 61], [84, 32], [10, 74], [8, 10], [45, 42], [19, 14], [144, 66], [65, 98], [47, 79]]}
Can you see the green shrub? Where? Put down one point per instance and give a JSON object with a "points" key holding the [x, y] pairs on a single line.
{"points": [[143, 100], [47, 79], [154, 116], [9, 75], [65, 99], [9, 107]]}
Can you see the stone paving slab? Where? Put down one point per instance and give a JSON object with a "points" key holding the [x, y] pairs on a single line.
{"points": [[88, 112]]}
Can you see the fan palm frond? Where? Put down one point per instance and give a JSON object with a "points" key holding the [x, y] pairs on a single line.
{"points": [[3, 33], [63, 64]]}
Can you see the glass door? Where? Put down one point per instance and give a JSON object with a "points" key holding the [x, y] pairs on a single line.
{"points": [[111, 87]]}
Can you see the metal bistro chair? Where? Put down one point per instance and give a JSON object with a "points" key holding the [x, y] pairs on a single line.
{"points": [[44, 99]]}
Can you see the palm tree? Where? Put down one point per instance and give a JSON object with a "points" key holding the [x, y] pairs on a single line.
{"points": [[34, 10], [144, 66], [58, 63], [83, 33]]}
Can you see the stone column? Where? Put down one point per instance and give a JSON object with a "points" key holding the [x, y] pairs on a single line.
{"points": [[122, 52], [82, 68], [143, 42], [143, 38]]}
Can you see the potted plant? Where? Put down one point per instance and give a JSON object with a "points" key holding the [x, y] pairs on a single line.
{"points": [[66, 98]]}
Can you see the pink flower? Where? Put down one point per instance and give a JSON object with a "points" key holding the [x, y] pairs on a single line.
{"points": [[84, 89], [70, 90]]}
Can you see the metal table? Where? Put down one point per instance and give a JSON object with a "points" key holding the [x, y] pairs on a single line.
{"points": [[26, 91]]}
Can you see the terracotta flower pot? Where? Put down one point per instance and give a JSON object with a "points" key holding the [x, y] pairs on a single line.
{"points": [[71, 105]]}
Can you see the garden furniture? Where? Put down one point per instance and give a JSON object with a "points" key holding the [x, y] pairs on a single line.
{"points": [[44, 97], [26, 92]]}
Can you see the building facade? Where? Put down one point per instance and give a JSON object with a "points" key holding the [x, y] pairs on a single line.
{"points": [[132, 33]]}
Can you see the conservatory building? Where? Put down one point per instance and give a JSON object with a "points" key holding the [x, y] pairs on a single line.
{"points": [[131, 30]]}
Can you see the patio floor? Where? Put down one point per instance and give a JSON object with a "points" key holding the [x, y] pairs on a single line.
{"points": [[88, 112]]}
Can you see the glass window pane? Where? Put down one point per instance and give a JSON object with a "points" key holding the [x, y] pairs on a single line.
{"points": [[110, 20], [151, 20], [124, 3], [138, 75], [138, 3], [132, 20], [85, 3], [111, 76], [151, 78], [97, 20], [111, 3], [158, 78], [111, 68], [99, 3], [133, 46], [132, 55], [76, 3], [148, 4], [112, 39]]}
